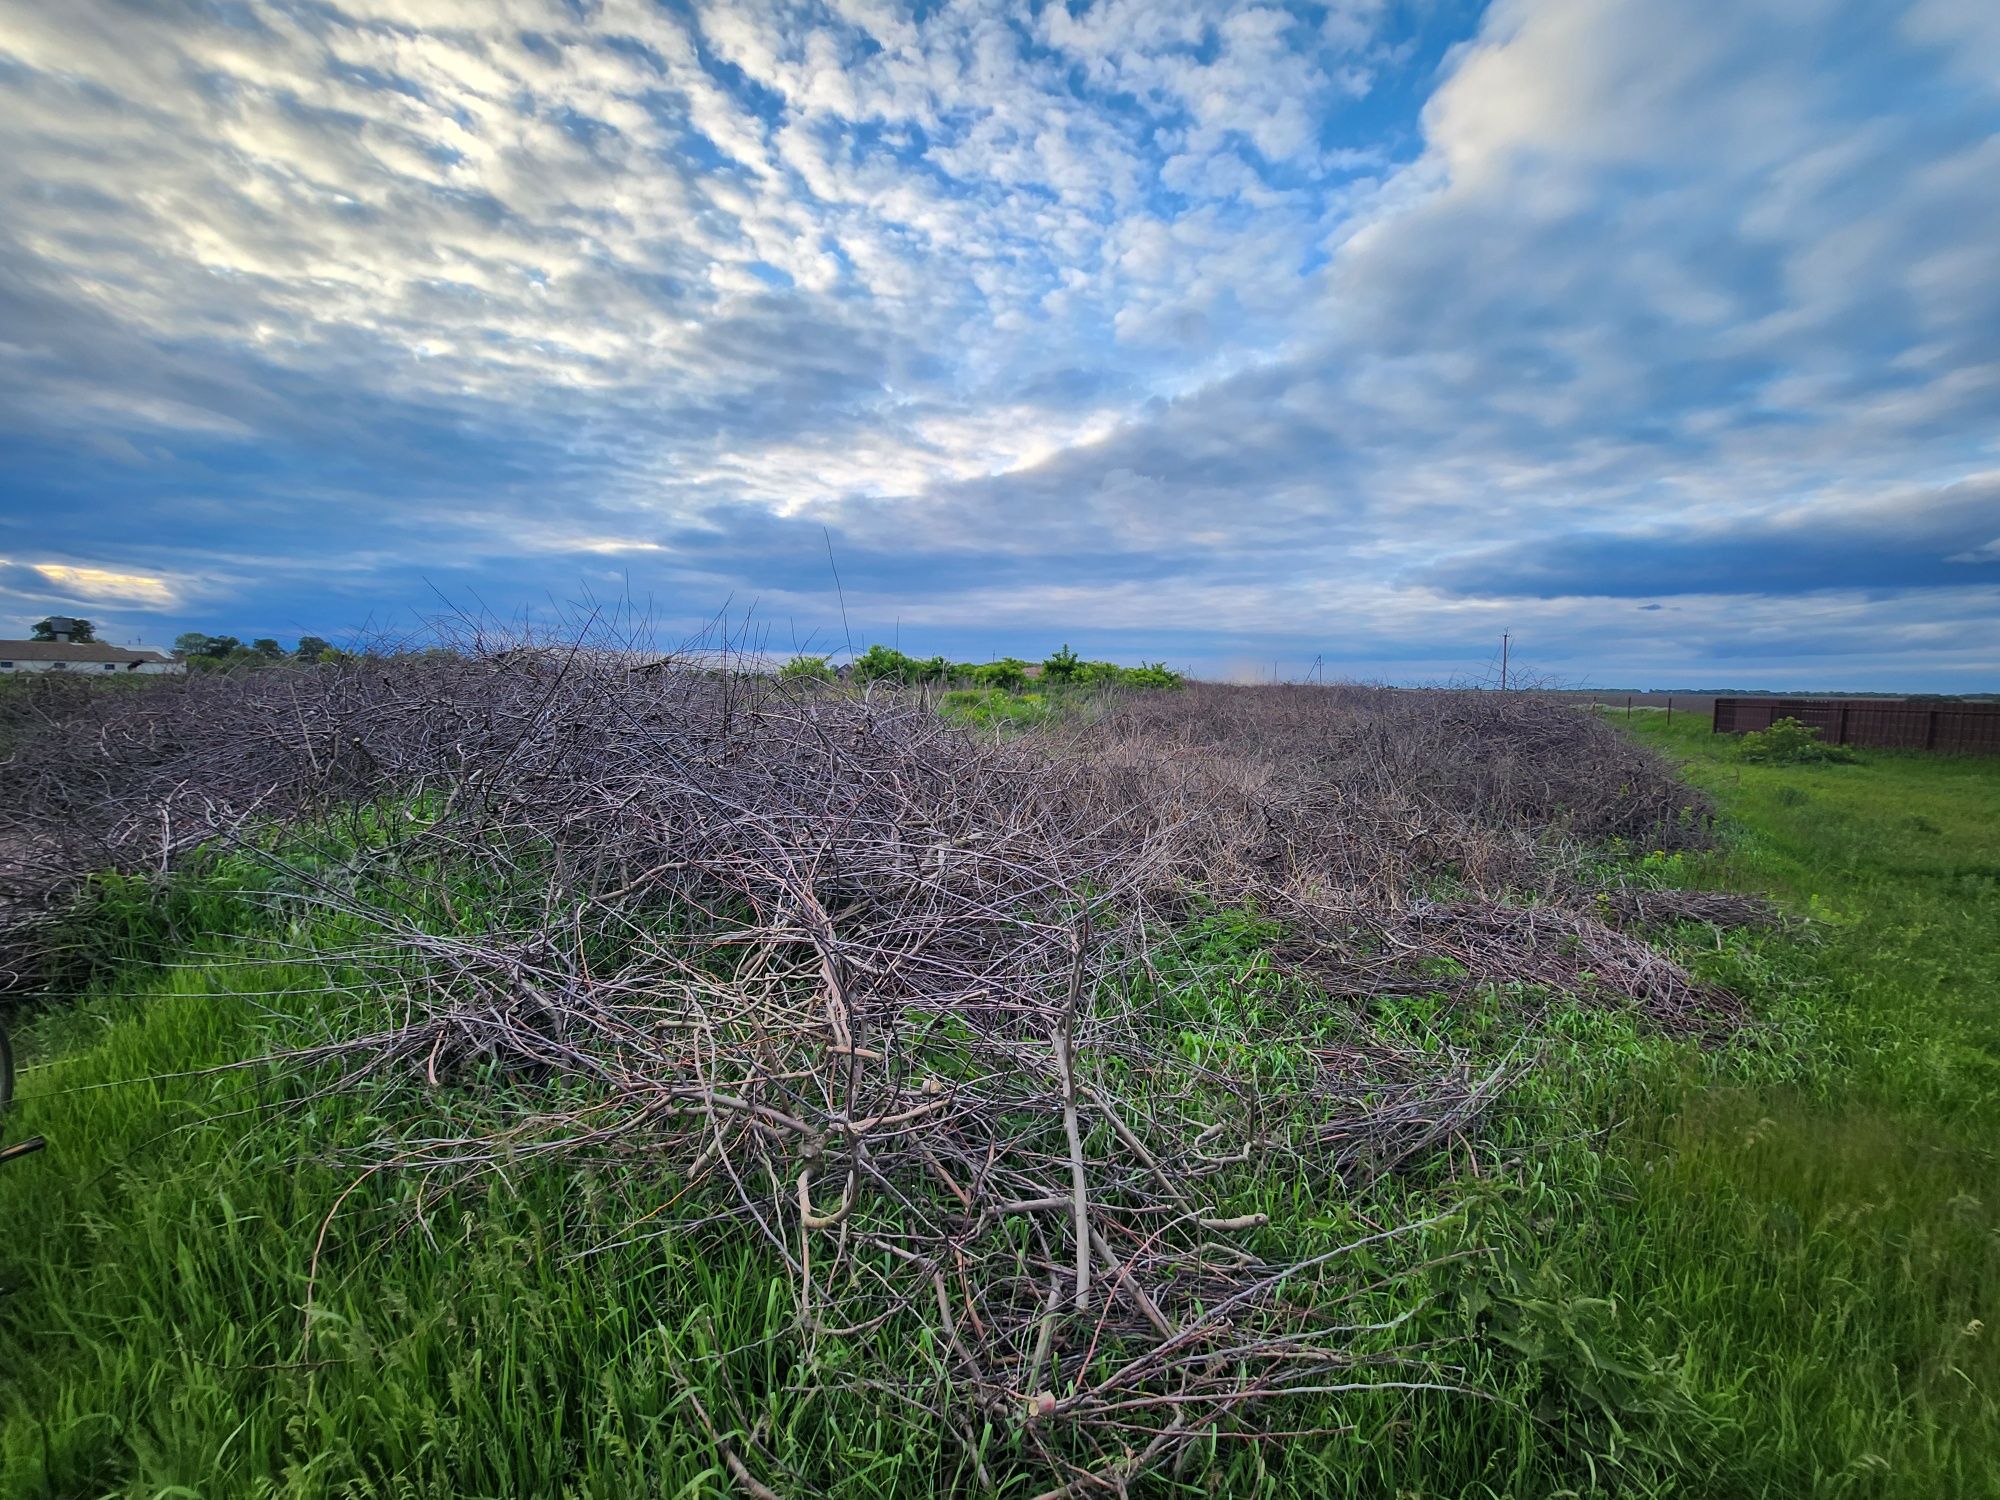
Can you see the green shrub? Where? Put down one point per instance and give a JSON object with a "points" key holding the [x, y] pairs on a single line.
{"points": [[1009, 674], [885, 664], [1064, 666], [1790, 743], [1065, 669], [1152, 675], [806, 669]]}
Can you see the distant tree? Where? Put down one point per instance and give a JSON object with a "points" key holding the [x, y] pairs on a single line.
{"points": [[1064, 666], [1010, 674], [883, 663], [81, 631], [267, 648], [312, 648], [1154, 674], [196, 645], [806, 669]]}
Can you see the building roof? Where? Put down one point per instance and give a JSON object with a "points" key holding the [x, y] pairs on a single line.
{"points": [[73, 651]]}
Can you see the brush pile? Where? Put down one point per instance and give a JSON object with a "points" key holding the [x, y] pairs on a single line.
{"points": [[1391, 829], [900, 1002]]}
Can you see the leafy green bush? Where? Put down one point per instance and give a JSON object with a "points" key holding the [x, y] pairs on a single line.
{"points": [[806, 669], [1064, 669], [995, 693], [1110, 674], [1790, 743], [1064, 666], [1009, 674], [885, 664]]}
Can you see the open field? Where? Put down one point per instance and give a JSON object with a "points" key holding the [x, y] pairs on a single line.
{"points": [[1513, 1202], [1700, 706], [1703, 704], [1833, 1267]]}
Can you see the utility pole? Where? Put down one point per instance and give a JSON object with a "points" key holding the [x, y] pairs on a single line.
{"points": [[1503, 660]]}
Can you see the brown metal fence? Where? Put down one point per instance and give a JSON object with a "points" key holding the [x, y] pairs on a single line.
{"points": [[1886, 723]]}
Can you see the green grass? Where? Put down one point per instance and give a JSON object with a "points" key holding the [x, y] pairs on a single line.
{"points": [[1814, 1225], [1750, 1270], [996, 708]]}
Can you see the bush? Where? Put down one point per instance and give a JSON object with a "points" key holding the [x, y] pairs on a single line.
{"points": [[806, 669], [1790, 743], [1065, 669], [1064, 666], [885, 664], [1009, 674], [1110, 674]]}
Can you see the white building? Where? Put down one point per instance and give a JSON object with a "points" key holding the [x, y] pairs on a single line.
{"points": [[95, 660]]}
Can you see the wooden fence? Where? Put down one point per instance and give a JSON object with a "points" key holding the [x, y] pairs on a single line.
{"points": [[1886, 723]]}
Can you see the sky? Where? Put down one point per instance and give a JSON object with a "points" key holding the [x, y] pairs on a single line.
{"points": [[1663, 337]]}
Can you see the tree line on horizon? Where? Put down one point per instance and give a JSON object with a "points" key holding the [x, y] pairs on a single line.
{"points": [[1063, 668], [197, 646], [204, 651], [199, 649]]}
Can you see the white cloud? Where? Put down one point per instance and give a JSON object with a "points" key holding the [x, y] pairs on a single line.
{"points": [[1130, 281], [509, 203], [109, 585]]}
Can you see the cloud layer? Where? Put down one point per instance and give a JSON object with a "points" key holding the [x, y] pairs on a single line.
{"points": [[1668, 337]]}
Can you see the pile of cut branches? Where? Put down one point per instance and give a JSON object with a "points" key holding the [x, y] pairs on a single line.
{"points": [[895, 1000], [1391, 828]]}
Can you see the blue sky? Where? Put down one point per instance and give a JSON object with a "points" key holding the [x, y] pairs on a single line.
{"points": [[1666, 337]]}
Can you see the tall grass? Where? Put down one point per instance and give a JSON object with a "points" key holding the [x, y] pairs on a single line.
{"points": [[1814, 1227]]}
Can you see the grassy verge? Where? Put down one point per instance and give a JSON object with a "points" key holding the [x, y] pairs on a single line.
{"points": [[1812, 1232], [1767, 1269]]}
